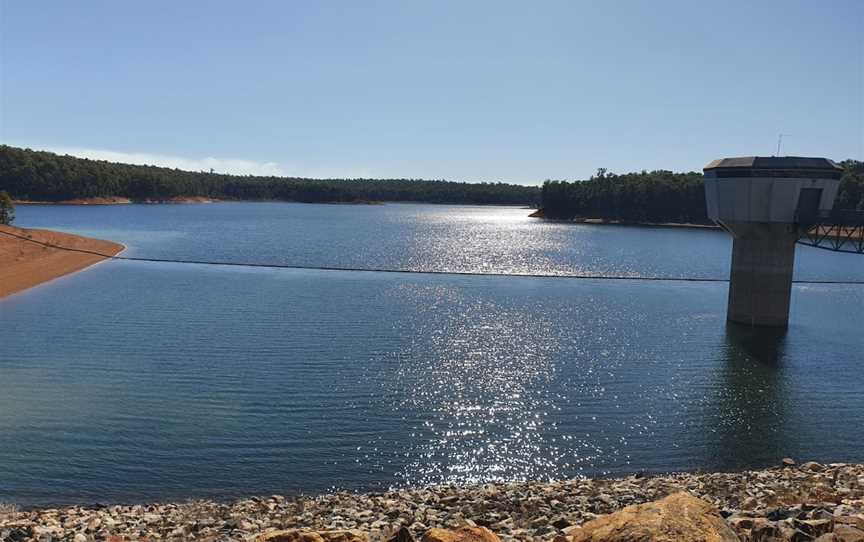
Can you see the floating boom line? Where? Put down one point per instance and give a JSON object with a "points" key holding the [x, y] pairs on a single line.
{"points": [[405, 271]]}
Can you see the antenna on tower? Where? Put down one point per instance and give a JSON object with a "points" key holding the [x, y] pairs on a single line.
{"points": [[780, 142]]}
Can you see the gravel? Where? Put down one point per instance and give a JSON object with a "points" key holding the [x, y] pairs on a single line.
{"points": [[798, 496]]}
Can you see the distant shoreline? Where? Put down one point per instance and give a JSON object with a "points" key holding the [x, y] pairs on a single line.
{"points": [[27, 258], [117, 201], [181, 200], [604, 222]]}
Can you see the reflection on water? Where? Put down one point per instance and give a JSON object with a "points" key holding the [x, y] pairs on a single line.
{"points": [[136, 381], [217, 382], [762, 345], [748, 412], [479, 371], [480, 239]]}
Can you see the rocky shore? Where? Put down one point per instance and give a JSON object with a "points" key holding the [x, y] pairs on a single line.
{"points": [[790, 502]]}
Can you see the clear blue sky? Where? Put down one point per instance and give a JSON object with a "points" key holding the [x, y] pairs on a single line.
{"points": [[514, 91]]}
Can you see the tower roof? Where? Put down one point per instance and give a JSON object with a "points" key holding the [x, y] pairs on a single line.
{"points": [[774, 162], [773, 166]]}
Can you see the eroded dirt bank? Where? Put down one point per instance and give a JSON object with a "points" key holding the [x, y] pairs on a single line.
{"points": [[28, 257]]}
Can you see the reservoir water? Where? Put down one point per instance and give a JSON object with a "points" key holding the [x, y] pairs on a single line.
{"points": [[137, 381]]}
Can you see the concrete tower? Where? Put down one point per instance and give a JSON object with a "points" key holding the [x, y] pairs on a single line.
{"points": [[766, 203]]}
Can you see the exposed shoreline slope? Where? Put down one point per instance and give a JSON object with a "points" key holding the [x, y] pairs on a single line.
{"points": [[25, 263], [787, 503]]}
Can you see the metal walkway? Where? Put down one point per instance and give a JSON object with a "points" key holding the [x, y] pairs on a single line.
{"points": [[841, 231]]}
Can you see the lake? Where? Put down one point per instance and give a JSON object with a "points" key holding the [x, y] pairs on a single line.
{"points": [[137, 381]]}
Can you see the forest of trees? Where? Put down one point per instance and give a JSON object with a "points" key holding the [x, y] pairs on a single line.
{"points": [[648, 196], [44, 176], [659, 196]]}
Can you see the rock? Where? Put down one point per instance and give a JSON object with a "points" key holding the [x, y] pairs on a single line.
{"points": [[778, 514], [821, 513], [741, 524], [765, 532], [538, 521], [815, 527], [797, 536], [350, 535], [812, 466], [786, 529], [302, 535], [291, 535], [680, 517], [787, 462], [845, 533], [402, 535], [561, 523], [750, 503], [462, 534], [513, 511], [852, 521], [754, 529]]}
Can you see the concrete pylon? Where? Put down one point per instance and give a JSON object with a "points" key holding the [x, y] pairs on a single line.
{"points": [[760, 281], [765, 202]]}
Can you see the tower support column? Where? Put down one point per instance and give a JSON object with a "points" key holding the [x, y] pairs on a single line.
{"points": [[760, 285], [766, 202]]}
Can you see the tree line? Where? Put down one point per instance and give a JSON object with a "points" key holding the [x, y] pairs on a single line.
{"points": [[647, 196], [659, 196], [7, 209], [44, 176]]}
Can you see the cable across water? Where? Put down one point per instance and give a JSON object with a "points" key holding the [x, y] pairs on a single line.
{"points": [[406, 271]]}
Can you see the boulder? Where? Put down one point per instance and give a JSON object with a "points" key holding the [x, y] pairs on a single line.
{"points": [[680, 517], [462, 534]]}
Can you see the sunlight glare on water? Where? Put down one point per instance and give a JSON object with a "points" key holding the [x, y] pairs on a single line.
{"points": [[177, 381], [487, 378]]}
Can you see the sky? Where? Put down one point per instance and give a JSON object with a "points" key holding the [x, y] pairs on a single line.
{"points": [[473, 91]]}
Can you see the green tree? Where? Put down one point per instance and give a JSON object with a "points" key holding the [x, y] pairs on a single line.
{"points": [[45, 176], [7, 208]]}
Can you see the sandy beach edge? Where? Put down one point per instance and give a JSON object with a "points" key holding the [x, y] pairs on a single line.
{"points": [[30, 257]]}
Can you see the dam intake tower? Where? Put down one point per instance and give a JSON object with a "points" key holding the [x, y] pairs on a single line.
{"points": [[767, 204]]}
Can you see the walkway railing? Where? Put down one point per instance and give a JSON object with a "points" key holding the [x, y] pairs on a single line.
{"points": [[841, 231]]}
